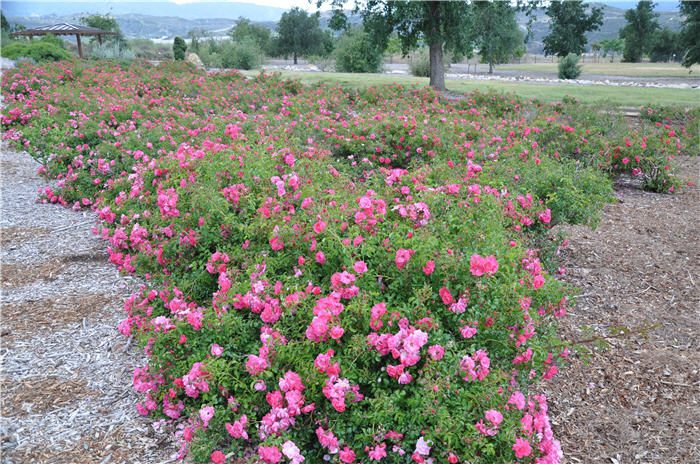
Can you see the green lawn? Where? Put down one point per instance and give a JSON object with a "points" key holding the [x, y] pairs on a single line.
{"points": [[599, 95], [614, 69]]}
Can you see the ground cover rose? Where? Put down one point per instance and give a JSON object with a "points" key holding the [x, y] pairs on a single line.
{"points": [[323, 263]]}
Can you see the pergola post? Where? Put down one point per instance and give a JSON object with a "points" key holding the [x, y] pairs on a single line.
{"points": [[99, 38], [80, 46]]}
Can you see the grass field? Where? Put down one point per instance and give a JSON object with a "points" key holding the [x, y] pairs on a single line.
{"points": [[615, 69], [600, 95]]}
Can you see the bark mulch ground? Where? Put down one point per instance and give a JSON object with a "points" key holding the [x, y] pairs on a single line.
{"points": [[637, 400]]}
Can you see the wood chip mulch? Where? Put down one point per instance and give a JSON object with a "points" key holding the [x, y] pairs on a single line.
{"points": [[638, 400], [65, 370]]}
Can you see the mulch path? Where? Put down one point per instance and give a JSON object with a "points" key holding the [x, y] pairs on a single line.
{"points": [[635, 401], [65, 370]]}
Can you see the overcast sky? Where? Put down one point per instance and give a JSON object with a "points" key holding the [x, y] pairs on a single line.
{"points": [[304, 4]]}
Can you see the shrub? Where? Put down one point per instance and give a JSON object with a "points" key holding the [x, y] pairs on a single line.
{"points": [[568, 67], [37, 50], [112, 51], [245, 54], [355, 52], [420, 65], [179, 48]]}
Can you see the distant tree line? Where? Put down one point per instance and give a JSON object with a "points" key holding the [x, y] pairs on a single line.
{"points": [[433, 33]]}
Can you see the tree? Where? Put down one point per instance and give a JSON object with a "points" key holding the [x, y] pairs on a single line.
{"points": [[5, 24], [690, 32], [107, 23], [356, 52], [641, 24], [612, 46], [496, 32], [665, 45], [596, 46], [245, 29], [568, 25], [440, 25], [179, 47], [299, 34], [196, 35]]}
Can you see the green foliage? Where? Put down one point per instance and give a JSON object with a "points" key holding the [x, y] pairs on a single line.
{"points": [[4, 24], [179, 48], [497, 34], [112, 51], [641, 24], [665, 46], [196, 36], [420, 64], [105, 22], [612, 46], [149, 50], [54, 40], [690, 32], [568, 67], [298, 34], [440, 25], [568, 24], [245, 29], [356, 53], [243, 54], [37, 50]]}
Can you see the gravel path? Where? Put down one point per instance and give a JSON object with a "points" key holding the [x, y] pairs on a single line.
{"points": [[66, 393]]}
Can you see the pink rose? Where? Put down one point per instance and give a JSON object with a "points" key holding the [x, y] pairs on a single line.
{"points": [[402, 257], [522, 448]]}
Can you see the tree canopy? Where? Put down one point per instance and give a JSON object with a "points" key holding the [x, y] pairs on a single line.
{"points": [[496, 32], [641, 24], [690, 32], [106, 22], [439, 25], [568, 24], [299, 34], [245, 29]]}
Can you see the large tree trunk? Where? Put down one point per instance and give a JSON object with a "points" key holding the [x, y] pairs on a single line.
{"points": [[295, 57], [490, 65], [437, 71]]}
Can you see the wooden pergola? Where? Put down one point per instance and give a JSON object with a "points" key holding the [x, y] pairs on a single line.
{"points": [[65, 29]]}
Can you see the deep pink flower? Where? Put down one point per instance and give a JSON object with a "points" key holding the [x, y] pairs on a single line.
{"points": [[481, 265], [360, 267], [347, 455], [217, 457], [429, 267], [446, 296], [378, 452], [402, 257], [436, 352], [319, 227], [270, 454], [522, 448]]}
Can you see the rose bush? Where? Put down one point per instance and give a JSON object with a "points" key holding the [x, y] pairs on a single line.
{"points": [[333, 274]]}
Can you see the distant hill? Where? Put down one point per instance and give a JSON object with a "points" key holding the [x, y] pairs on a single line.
{"points": [[208, 10], [157, 20], [613, 21]]}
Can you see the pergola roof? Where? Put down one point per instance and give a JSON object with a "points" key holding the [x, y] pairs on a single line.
{"points": [[65, 29], [62, 29]]}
